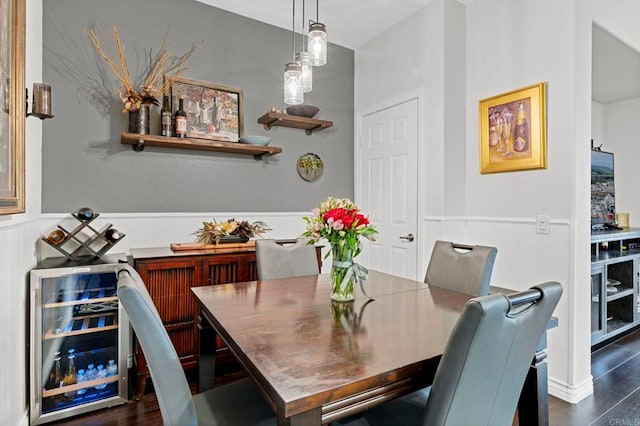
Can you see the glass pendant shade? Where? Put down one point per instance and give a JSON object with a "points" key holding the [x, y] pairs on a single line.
{"points": [[317, 44], [302, 59], [293, 92]]}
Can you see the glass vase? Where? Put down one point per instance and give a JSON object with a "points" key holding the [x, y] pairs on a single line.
{"points": [[342, 276]]}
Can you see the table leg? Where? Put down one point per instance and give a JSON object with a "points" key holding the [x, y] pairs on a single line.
{"points": [[312, 417], [206, 354], [533, 407]]}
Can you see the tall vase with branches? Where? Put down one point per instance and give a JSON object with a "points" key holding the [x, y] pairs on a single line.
{"points": [[160, 71]]}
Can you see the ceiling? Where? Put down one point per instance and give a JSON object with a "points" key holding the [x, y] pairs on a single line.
{"points": [[615, 70], [350, 23]]}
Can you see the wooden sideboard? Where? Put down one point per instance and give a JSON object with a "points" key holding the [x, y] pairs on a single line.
{"points": [[169, 275]]}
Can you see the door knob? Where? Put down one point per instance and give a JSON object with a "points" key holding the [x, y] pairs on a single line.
{"points": [[408, 237]]}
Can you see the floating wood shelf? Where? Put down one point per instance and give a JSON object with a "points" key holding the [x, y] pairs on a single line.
{"points": [[309, 125], [139, 141]]}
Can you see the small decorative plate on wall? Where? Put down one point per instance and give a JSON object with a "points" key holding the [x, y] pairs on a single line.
{"points": [[310, 167]]}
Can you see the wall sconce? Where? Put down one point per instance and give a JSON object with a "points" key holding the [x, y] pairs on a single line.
{"points": [[41, 105]]}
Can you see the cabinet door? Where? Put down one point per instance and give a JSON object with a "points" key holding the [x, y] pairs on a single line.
{"points": [[598, 322], [169, 284], [224, 269], [75, 340]]}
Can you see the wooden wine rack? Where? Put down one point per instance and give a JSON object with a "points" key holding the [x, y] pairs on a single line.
{"points": [[84, 239]]}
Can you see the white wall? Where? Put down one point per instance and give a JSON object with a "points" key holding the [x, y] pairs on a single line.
{"points": [[18, 234], [621, 131], [506, 52], [598, 125], [503, 52]]}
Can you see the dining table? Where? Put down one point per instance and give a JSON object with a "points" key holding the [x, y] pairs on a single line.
{"points": [[316, 361]]}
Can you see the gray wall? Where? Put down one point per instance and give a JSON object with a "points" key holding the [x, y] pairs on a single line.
{"points": [[84, 163]]}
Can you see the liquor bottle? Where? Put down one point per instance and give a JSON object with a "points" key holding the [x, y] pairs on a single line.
{"points": [[181, 120], [58, 380], [71, 377], [112, 235], [55, 376], [85, 214], [165, 117]]}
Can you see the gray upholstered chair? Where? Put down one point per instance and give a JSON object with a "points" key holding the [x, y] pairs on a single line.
{"points": [[275, 261], [462, 268], [238, 403], [483, 367]]}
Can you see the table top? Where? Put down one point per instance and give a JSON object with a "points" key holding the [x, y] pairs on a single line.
{"points": [[306, 351]]}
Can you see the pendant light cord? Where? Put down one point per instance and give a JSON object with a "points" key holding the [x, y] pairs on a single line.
{"points": [[293, 33], [302, 31]]}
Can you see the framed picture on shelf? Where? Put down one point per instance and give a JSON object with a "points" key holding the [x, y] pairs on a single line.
{"points": [[513, 130], [12, 106], [213, 111]]}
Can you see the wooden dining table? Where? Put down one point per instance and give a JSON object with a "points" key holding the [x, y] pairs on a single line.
{"points": [[316, 361]]}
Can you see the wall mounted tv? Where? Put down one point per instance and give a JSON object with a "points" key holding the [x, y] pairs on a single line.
{"points": [[603, 198]]}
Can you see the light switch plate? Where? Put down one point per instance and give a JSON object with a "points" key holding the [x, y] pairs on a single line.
{"points": [[543, 224]]}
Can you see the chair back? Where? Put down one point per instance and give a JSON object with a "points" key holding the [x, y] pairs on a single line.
{"points": [[275, 261], [486, 359], [466, 272], [169, 381]]}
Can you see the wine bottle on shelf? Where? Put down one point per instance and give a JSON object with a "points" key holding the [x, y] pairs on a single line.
{"points": [[113, 235], [165, 117], [112, 368], [71, 377], [81, 380], [56, 236], [90, 374], [101, 373], [181, 120], [85, 214]]}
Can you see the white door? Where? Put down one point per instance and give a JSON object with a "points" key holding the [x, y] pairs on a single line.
{"points": [[388, 187]]}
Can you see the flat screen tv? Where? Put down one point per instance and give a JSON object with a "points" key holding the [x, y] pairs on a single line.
{"points": [[603, 198]]}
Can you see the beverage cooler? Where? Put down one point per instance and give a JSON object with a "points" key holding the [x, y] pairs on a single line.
{"points": [[79, 338]]}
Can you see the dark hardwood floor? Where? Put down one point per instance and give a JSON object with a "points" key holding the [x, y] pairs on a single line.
{"points": [[616, 389], [615, 400]]}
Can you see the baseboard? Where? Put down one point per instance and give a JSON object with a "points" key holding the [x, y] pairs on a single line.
{"points": [[25, 420], [571, 394]]}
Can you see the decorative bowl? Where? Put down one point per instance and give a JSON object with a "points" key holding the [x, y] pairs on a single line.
{"points": [[255, 139], [308, 111]]}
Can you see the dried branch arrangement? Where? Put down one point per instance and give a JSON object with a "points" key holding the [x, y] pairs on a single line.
{"points": [[160, 73]]}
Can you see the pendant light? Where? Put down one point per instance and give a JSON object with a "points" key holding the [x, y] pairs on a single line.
{"points": [[293, 92], [317, 44], [303, 59]]}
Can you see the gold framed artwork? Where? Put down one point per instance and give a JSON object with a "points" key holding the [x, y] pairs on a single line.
{"points": [[622, 220], [513, 130], [12, 106], [213, 111]]}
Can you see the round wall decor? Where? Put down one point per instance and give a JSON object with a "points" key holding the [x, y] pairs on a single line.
{"points": [[310, 167]]}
